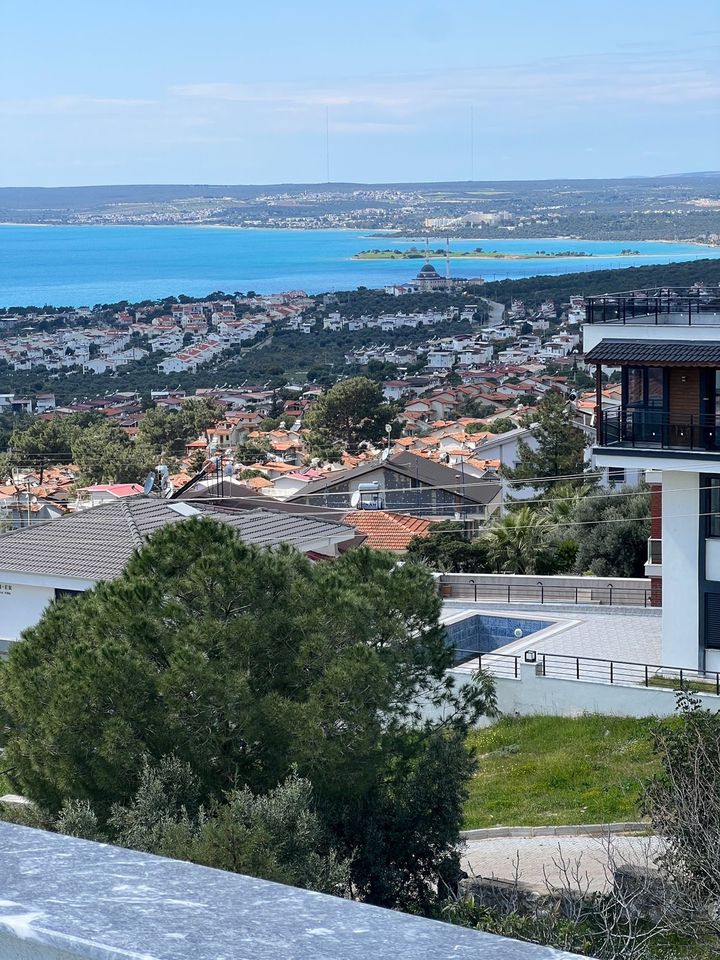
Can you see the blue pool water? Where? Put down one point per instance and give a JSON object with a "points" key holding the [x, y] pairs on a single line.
{"points": [[85, 265], [483, 633]]}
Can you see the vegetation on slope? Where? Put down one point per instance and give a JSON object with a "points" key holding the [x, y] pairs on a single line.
{"points": [[537, 771]]}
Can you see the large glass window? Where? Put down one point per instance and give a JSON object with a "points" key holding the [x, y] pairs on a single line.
{"points": [[645, 387], [635, 392], [655, 386], [712, 499]]}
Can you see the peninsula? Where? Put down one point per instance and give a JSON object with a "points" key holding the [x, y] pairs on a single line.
{"points": [[415, 253]]}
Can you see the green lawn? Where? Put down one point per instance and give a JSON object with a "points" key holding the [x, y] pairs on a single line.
{"points": [[536, 771]]}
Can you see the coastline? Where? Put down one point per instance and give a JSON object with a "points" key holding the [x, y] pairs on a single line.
{"points": [[388, 236], [508, 256]]}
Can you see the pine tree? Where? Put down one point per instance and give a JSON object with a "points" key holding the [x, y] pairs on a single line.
{"points": [[560, 451]]}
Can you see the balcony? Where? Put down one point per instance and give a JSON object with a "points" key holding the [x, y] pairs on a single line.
{"points": [[648, 429], [657, 307]]}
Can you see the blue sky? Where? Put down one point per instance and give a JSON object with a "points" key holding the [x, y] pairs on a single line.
{"points": [[228, 91]]}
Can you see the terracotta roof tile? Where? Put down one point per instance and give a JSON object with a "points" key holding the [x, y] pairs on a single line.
{"points": [[387, 531]]}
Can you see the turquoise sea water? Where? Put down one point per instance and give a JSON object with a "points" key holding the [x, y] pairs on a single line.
{"points": [[84, 265]]}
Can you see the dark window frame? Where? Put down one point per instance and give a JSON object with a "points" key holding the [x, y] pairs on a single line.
{"points": [[711, 506]]}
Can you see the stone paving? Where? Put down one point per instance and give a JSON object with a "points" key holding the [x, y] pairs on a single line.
{"points": [[540, 859]]}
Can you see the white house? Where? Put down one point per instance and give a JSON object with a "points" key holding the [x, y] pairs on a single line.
{"points": [[440, 359], [46, 561], [667, 346]]}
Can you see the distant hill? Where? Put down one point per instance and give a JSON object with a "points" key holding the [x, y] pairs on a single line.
{"points": [[533, 290], [91, 197]]}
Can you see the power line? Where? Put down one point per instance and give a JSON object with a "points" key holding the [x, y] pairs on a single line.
{"points": [[213, 504]]}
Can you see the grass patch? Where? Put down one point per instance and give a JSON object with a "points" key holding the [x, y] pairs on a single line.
{"points": [[673, 683], [536, 771]]}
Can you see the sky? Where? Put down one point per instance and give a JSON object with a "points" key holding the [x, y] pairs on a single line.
{"points": [[229, 91]]}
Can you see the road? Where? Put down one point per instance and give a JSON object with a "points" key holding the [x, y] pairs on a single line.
{"points": [[497, 312], [539, 857]]}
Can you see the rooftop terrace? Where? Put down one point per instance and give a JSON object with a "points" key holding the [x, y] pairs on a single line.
{"points": [[657, 306]]}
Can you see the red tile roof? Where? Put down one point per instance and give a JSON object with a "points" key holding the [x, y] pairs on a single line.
{"points": [[387, 531]]}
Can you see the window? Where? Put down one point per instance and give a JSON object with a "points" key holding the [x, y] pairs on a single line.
{"points": [[616, 475], [656, 386], [635, 392], [712, 499], [645, 387], [63, 592]]}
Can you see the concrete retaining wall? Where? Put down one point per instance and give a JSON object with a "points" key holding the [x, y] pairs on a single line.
{"points": [[532, 693]]}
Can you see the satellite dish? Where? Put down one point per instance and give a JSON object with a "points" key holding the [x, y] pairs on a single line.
{"points": [[355, 499], [149, 483], [385, 454]]}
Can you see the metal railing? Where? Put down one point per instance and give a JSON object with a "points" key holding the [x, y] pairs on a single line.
{"points": [[658, 429], [563, 666], [656, 305], [498, 664], [626, 673], [511, 592]]}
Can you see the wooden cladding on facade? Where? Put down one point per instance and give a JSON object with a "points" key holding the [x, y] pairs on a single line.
{"points": [[684, 394]]}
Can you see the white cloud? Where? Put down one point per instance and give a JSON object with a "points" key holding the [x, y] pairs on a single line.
{"points": [[624, 77], [68, 104], [286, 94]]}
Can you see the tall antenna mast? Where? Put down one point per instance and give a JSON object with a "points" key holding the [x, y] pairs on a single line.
{"points": [[472, 143], [327, 144], [447, 260]]}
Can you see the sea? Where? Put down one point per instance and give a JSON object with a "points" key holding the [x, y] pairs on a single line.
{"points": [[87, 265]]}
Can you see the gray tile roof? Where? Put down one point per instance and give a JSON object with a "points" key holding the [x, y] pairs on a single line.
{"points": [[425, 472], [96, 544], [656, 352]]}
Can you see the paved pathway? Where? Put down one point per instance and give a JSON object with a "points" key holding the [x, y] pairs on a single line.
{"points": [[538, 857], [496, 313]]}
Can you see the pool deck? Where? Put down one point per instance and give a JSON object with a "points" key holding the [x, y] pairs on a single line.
{"points": [[626, 634]]}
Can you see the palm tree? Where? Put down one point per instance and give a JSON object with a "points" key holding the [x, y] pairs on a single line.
{"points": [[516, 541], [560, 505]]}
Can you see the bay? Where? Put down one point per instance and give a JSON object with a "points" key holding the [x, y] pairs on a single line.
{"points": [[85, 265]]}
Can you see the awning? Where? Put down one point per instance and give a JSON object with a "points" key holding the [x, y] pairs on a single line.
{"points": [[656, 353]]}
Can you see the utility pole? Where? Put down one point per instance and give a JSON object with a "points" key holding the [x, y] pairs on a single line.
{"points": [[472, 144]]}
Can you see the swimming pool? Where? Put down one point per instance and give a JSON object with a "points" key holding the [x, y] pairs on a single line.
{"points": [[475, 633]]}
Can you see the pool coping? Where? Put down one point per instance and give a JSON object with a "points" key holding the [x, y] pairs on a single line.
{"points": [[515, 647]]}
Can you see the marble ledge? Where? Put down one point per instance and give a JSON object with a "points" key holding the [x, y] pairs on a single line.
{"points": [[63, 898]]}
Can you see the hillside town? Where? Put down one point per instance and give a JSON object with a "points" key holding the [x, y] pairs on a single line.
{"points": [[460, 402]]}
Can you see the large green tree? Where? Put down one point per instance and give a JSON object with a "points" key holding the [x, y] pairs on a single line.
{"points": [[612, 532], [350, 412], [104, 453], [559, 446], [45, 442], [447, 548], [166, 432], [246, 664]]}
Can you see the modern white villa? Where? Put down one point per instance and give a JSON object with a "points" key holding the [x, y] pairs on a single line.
{"points": [[666, 343]]}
